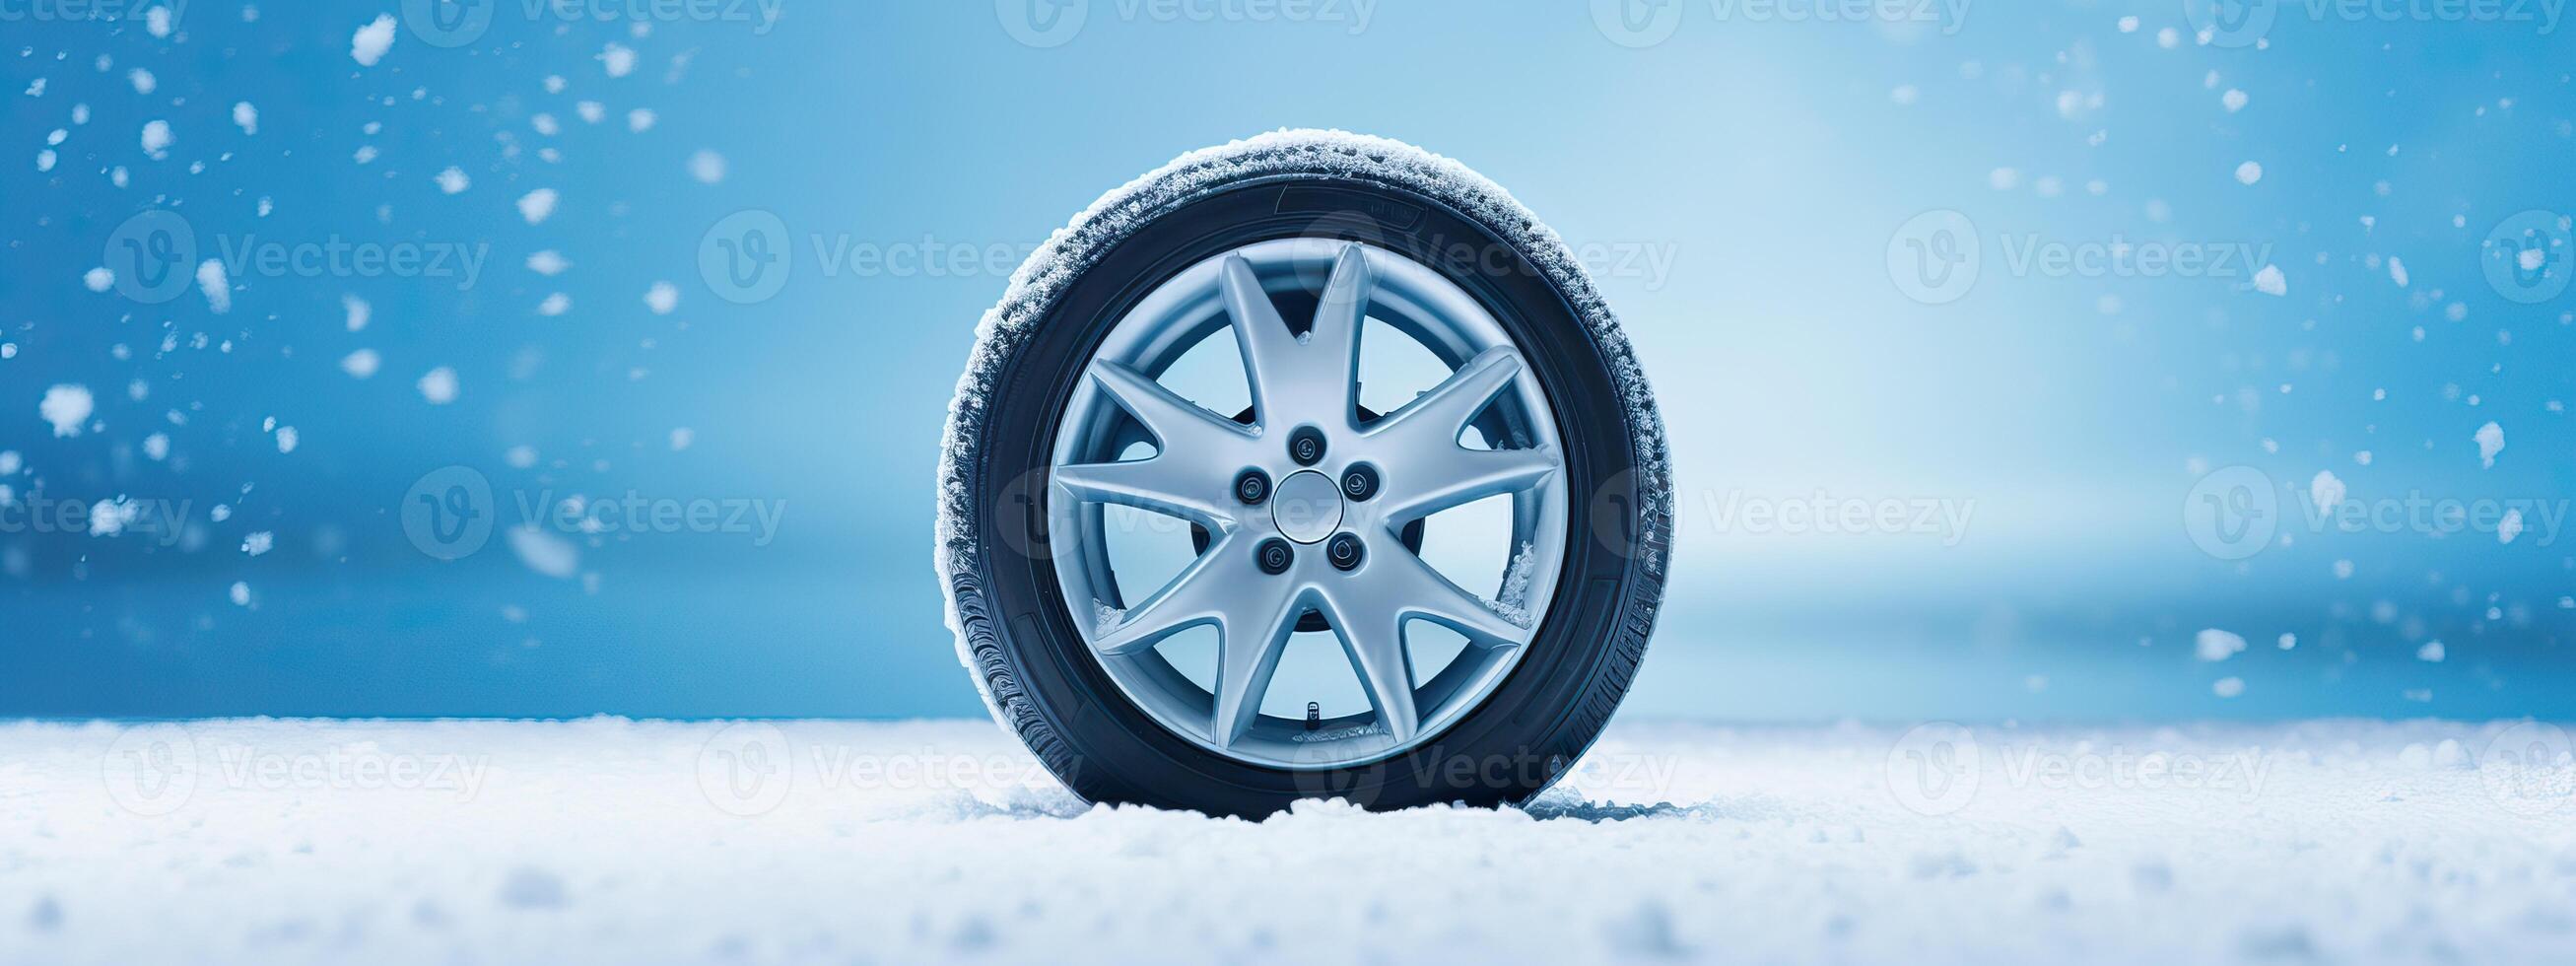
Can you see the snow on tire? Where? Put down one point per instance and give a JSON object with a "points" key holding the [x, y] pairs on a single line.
{"points": [[1195, 559]]}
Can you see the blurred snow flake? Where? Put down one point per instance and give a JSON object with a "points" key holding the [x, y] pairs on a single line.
{"points": [[439, 386], [156, 139], [453, 180], [2269, 281], [544, 552], [2490, 440], [2213, 644], [662, 298], [369, 44], [536, 205], [2326, 491], [707, 166], [217, 286], [67, 406]]}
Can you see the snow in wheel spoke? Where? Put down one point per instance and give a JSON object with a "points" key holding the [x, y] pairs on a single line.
{"points": [[1199, 594], [1421, 592]]}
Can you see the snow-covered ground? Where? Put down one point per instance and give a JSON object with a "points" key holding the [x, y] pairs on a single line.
{"points": [[611, 841]]}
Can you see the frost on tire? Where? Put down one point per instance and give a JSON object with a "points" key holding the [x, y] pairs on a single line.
{"points": [[1305, 496]]}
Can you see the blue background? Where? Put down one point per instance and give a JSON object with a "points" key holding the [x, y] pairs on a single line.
{"points": [[1769, 161]]}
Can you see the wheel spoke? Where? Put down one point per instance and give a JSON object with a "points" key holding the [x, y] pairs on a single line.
{"points": [[1317, 372], [1455, 476], [1438, 415], [1173, 485], [1248, 651], [1178, 424], [1372, 636], [1199, 594]]}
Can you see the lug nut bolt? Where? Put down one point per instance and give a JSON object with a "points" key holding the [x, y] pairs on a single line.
{"points": [[1252, 487], [1344, 550], [1306, 445], [1273, 556], [1359, 482]]}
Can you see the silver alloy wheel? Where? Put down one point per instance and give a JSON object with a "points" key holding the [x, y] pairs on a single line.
{"points": [[1366, 592]]}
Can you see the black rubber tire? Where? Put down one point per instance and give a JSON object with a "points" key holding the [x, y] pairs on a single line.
{"points": [[1035, 667]]}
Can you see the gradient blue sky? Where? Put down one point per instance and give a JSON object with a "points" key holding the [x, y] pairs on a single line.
{"points": [[1742, 177]]}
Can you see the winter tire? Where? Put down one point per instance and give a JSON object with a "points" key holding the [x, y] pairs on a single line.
{"points": [[1308, 466]]}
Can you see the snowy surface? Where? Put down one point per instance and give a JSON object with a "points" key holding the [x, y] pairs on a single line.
{"points": [[609, 841]]}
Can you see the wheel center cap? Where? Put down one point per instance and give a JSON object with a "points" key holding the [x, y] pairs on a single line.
{"points": [[1307, 507]]}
